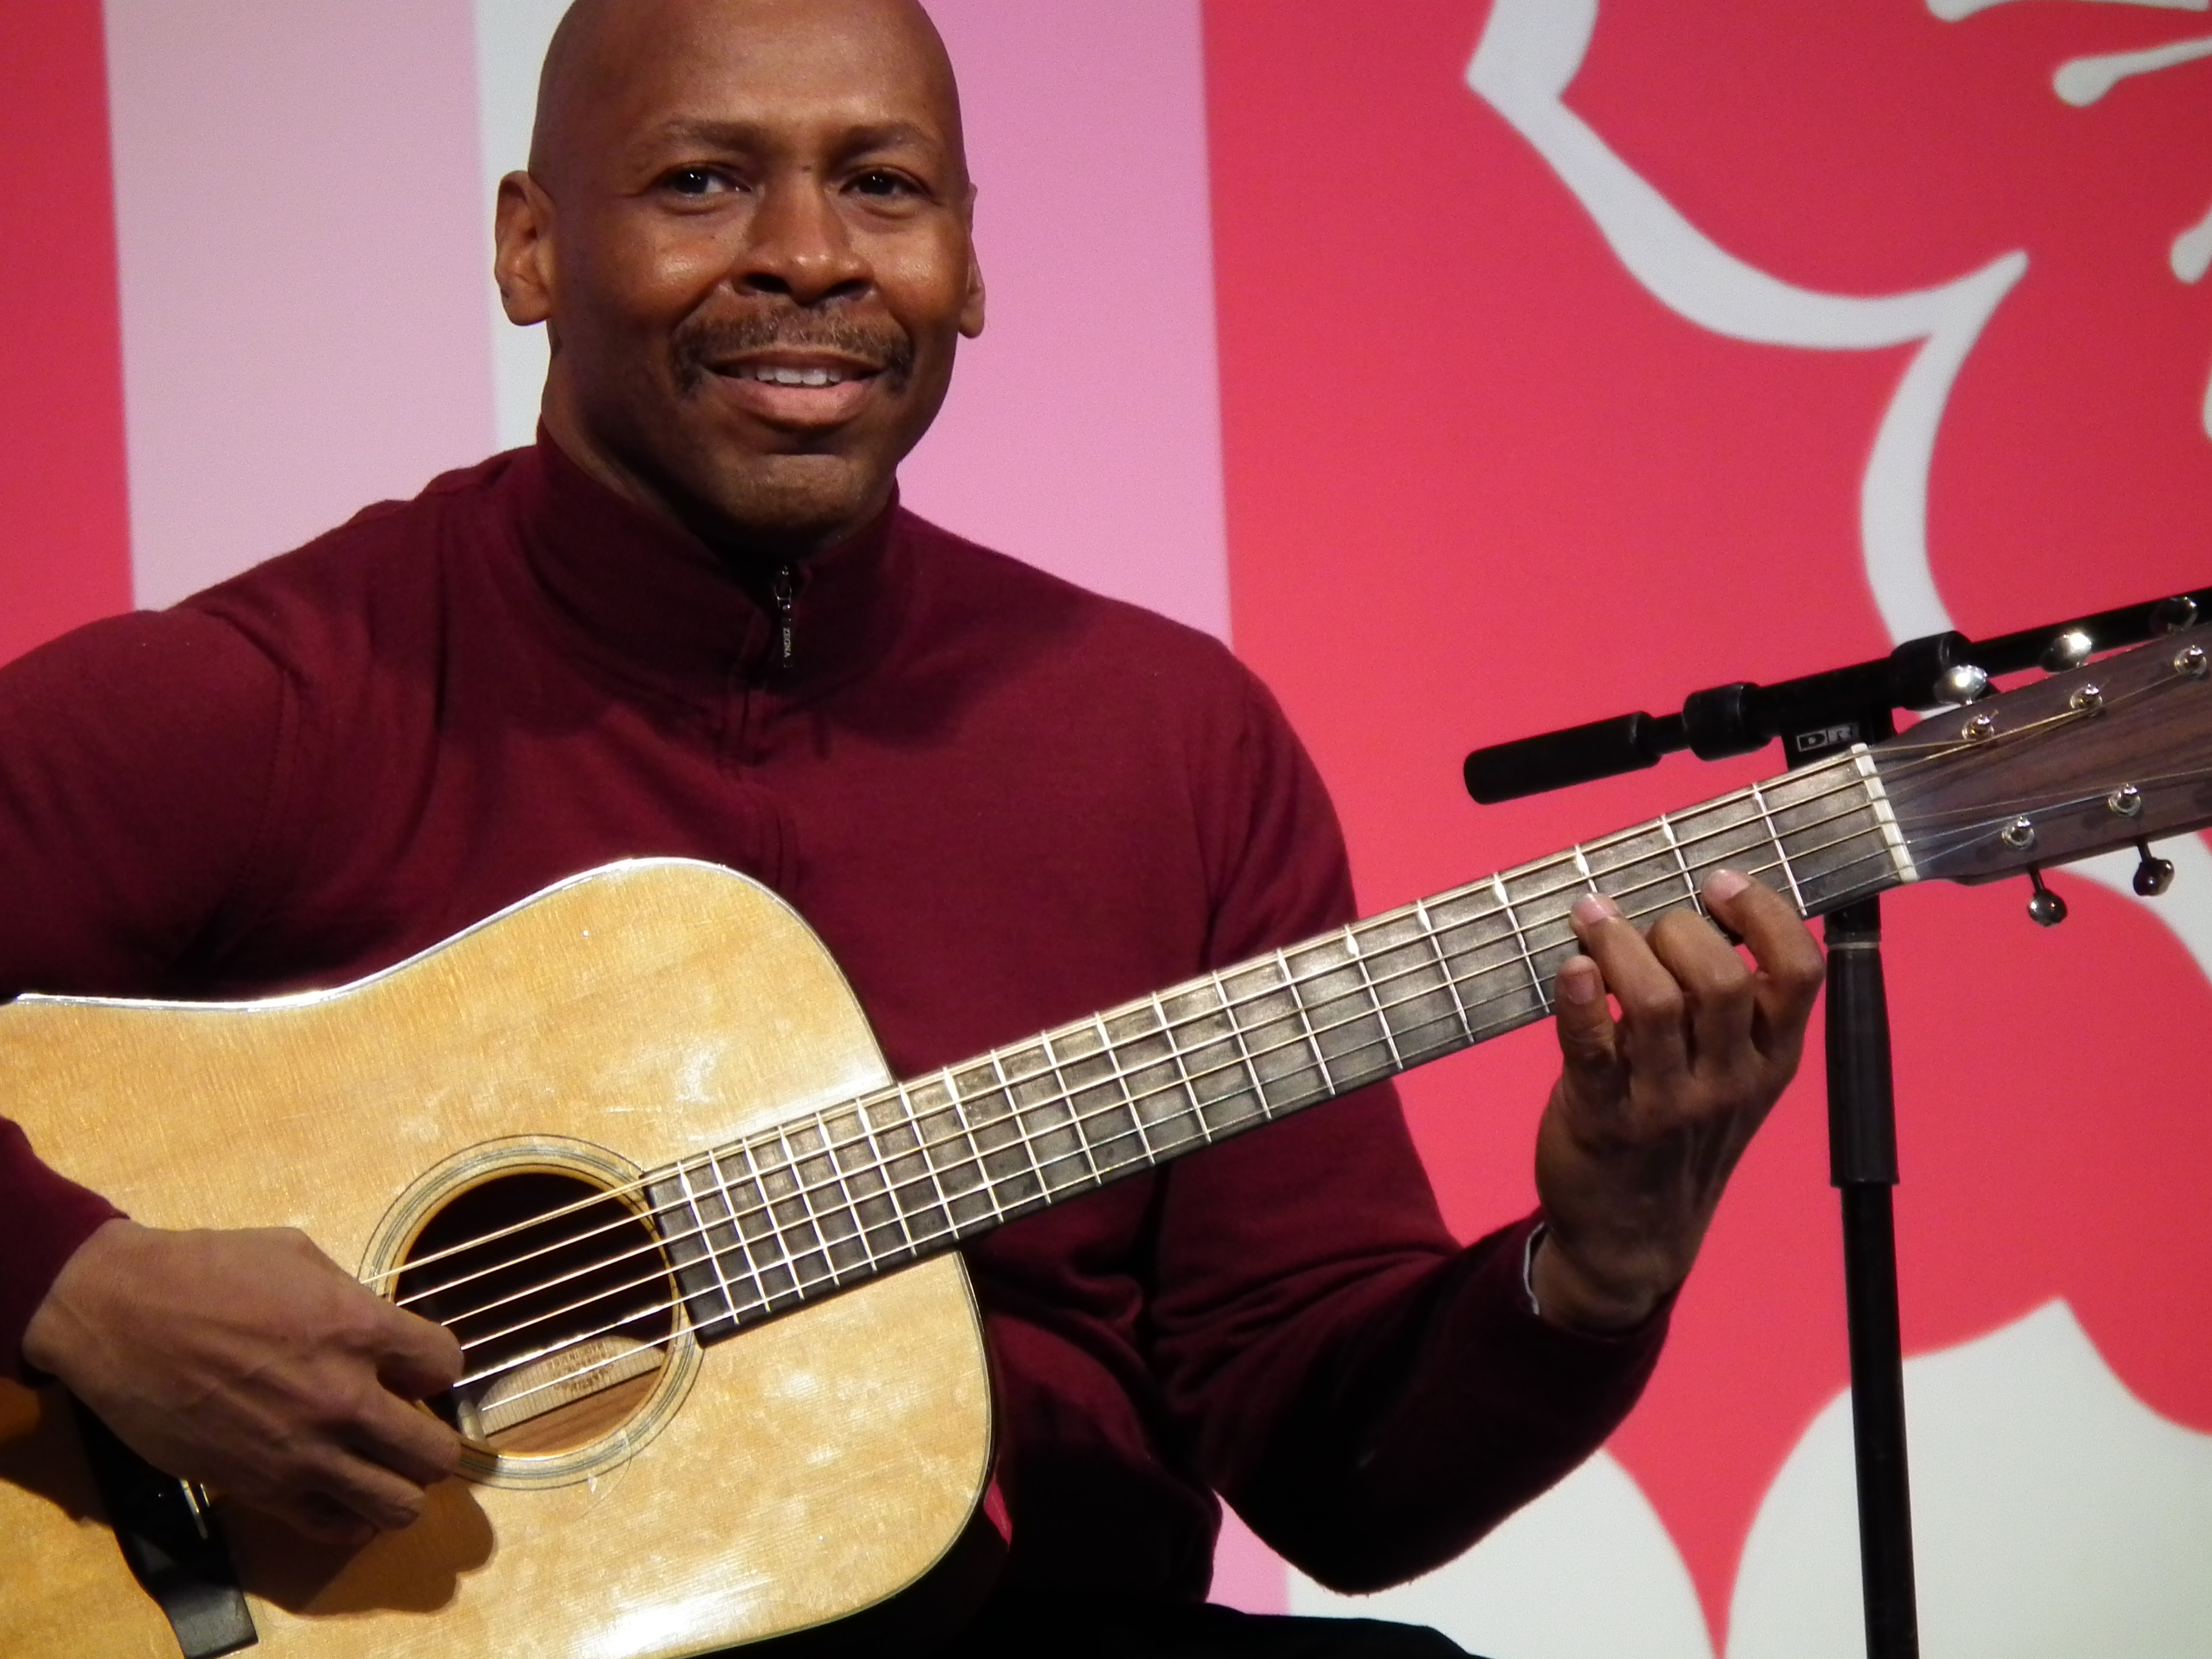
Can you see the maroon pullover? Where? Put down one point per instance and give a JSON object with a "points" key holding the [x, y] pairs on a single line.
{"points": [[1002, 802]]}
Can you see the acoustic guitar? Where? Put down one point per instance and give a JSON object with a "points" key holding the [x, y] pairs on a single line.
{"points": [[633, 1141]]}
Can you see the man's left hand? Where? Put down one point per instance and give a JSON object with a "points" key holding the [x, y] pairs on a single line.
{"points": [[1653, 1109]]}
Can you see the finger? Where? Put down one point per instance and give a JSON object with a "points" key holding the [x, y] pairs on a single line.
{"points": [[385, 1500], [1650, 1001], [1588, 1042], [1790, 969], [406, 1439], [1715, 982], [417, 1359]]}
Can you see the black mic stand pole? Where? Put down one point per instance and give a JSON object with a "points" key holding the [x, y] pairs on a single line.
{"points": [[1814, 717], [1863, 1168]]}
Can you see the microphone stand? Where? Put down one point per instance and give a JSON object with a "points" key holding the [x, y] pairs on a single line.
{"points": [[1813, 717]]}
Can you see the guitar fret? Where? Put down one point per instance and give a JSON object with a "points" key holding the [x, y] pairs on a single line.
{"points": [[1150, 1153], [882, 1164], [1582, 865], [1443, 966], [808, 1227], [711, 1255], [1243, 1050], [1305, 1024], [778, 1267], [741, 1207], [1520, 938], [915, 1126], [1774, 834], [1674, 846], [1382, 1015], [1182, 1071], [1047, 1191], [838, 1144], [1171, 1106], [966, 1216], [1005, 1092], [830, 1202], [1110, 1049]]}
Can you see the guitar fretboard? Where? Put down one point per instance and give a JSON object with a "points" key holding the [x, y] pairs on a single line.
{"points": [[832, 1198]]}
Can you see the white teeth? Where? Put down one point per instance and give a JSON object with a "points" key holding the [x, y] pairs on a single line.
{"points": [[815, 376]]}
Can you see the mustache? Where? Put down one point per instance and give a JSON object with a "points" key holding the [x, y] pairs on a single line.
{"points": [[699, 343]]}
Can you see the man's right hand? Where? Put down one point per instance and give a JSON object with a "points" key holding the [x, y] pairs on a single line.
{"points": [[252, 1362]]}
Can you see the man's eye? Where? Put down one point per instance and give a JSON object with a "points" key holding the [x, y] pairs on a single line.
{"points": [[694, 181], [887, 185]]}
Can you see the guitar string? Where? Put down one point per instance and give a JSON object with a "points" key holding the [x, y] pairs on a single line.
{"points": [[1892, 748], [796, 1259], [1436, 984], [792, 1263], [1171, 1030], [792, 1260], [699, 1161], [803, 1287], [842, 1178]]}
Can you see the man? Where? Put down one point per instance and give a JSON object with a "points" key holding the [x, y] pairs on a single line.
{"points": [[692, 621]]}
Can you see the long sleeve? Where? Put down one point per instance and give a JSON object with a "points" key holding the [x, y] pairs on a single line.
{"points": [[1370, 1397], [136, 757]]}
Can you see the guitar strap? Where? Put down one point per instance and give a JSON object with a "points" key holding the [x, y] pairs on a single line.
{"points": [[168, 1538]]}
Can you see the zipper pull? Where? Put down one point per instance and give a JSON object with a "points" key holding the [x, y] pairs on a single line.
{"points": [[784, 589]]}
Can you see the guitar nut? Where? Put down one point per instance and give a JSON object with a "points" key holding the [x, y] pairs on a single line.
{"points": [[2126, 801], [2192, 661], [2089, 700], [1979, 728], [2018, 834]]}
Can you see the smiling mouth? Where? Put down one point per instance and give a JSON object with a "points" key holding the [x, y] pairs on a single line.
{"points": [[785, 375]]}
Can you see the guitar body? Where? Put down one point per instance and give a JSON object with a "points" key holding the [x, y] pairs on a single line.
{"points": [[806, 1469]]}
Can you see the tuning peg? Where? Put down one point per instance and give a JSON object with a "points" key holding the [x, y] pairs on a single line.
{"points": [[2171, 615], [2069, 649], [1962, 683], [2153, 875], [2045, 908]]}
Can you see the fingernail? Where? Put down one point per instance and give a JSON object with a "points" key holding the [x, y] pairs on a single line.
{"points": [[1595, 908], [1579, 981], [1723, 885]]}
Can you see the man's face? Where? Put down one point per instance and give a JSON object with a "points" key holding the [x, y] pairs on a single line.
{"points": [[747, 223]]}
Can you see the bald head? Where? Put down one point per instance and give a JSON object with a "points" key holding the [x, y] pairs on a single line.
{"points": [[603, 48], [746, 223]]}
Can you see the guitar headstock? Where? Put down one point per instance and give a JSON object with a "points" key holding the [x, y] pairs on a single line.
{"points": [[2117, 751]]}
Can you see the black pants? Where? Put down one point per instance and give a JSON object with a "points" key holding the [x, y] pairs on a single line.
{"points": [[1065, 1628]]}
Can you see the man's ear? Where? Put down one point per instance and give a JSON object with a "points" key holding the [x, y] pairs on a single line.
{"points": [[522, 262], [971, 309]]}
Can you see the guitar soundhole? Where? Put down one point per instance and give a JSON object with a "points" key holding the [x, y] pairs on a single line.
{"points": [[563, 1302]]}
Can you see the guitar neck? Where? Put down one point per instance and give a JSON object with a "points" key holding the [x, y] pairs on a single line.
{"points": [[836, 1197]]}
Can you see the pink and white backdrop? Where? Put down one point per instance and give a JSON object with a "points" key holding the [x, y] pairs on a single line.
{"points": [[1473, 366]]}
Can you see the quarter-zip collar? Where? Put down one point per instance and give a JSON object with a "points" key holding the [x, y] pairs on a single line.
{"points": [[655, 603]]}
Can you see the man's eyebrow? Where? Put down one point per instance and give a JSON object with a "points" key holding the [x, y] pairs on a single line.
{"points": [[753, 135]]}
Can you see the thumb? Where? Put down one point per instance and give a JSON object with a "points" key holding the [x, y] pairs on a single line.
{"points": [[1589, 1043]]}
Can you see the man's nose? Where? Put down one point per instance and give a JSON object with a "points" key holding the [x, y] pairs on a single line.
{"points": [[799, 246]]}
